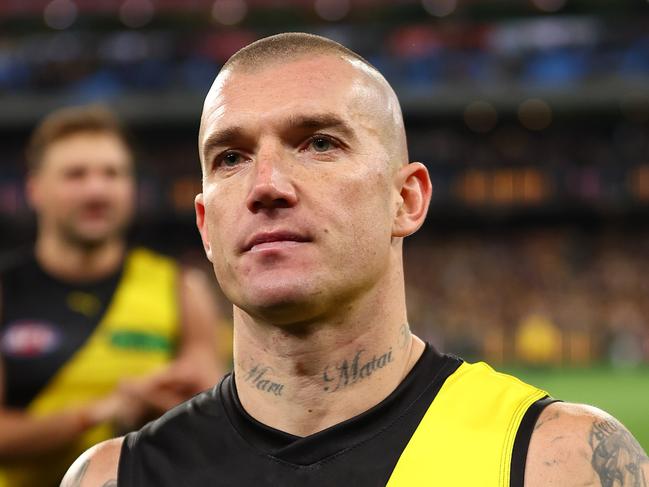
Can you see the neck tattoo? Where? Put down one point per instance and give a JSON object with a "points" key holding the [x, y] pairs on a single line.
{"points": [[258, 378], [349, 372]]}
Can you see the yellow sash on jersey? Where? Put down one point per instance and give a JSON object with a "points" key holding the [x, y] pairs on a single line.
{"points": [[136, 336], [466, 437]]}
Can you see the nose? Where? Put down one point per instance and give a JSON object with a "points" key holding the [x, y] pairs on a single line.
{"points": [[272, 186], [96, 184]]}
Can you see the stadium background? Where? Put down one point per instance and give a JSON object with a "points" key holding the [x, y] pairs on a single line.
{"points": [[532, 117]]}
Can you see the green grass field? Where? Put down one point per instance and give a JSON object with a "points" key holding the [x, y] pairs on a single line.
{"points": [[622, 392]]}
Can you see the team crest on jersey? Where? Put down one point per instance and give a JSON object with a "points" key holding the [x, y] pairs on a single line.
{"points": [[29, 338]]}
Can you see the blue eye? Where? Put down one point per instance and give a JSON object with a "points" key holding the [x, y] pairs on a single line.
{"points": [[321, 144], [231, 159]]}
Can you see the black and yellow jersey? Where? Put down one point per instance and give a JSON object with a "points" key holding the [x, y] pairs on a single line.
{"points": [[448, 423], [63, 344]]}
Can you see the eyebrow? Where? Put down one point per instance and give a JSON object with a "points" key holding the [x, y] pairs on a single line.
{"points": [[231, 135], [320, 122], [220, 138]]}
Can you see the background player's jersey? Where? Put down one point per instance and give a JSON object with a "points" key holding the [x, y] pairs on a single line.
{"points": [[448, 423], [65, 344]]}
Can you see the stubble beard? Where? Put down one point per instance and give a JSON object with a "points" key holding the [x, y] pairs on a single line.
{"points": [[88, 243]]}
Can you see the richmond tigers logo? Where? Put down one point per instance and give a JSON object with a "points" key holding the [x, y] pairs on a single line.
{"points": [[29, 339]]}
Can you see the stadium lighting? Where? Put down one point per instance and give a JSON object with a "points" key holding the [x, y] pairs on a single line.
{"points": [[535, 114], [439, 8], [229, 12], [60, 14], [480, 116], [332, 10], [136, 13], [549, 5], [635, 107]]}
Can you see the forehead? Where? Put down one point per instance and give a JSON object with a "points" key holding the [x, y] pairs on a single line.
{"points": [[287, 89], [87, 148]]}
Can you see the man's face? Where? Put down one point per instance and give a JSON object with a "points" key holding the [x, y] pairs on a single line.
{"points": [[298, 193], [84, 188]]}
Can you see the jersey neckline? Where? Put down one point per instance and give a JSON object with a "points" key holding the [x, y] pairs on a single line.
{"points": [[430, 370], [109, 279]]}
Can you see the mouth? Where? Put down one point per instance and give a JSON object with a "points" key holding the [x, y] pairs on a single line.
{"points": [[94, 215], [93, 210], [271, 240]]}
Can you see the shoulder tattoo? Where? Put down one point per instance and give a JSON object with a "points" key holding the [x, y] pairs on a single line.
{"points": [[617, 457], [76, 477]]}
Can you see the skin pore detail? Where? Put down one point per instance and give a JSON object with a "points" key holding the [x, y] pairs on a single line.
{"points": [[617, 457], [554, 416], [374, 101], [258, 376], [361, 365], [336, 376], [574, 444], [405, 336], [328, 310]]}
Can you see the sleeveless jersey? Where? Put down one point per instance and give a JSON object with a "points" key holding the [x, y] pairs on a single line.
{"points": [[65, 344], [447, 423]]}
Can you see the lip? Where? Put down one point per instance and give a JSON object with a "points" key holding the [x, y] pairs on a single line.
{"points": [[280, 237]]}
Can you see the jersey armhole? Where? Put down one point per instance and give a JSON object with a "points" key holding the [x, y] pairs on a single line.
{"points": [[124, 473], [522, 440]]}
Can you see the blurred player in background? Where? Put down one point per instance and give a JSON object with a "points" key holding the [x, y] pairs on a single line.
{"points": [[95, 337], [307, 197]]}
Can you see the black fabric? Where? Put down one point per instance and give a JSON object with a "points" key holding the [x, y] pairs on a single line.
{"points": [[211, 441], [522, 441], [43, 322]]}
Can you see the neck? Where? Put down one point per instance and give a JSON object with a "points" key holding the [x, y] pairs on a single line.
{"points": [[78, 263], [302, 383]]}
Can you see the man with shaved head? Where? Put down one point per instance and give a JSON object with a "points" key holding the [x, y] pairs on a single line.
{"points": [[307, 196]]}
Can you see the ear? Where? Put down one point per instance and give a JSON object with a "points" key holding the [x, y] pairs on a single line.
{"points": [[199, 205], [415, 190]]}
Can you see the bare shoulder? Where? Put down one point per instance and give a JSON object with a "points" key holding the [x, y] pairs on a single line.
{"points": [[97, 467], [575, 444]]}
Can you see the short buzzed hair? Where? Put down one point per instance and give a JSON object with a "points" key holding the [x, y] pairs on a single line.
{"points": [[288, 46], [69, 121], [291, 46]]}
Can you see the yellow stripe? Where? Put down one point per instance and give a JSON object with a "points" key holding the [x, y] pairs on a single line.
{"points": [[467, 435], [144, 308]]}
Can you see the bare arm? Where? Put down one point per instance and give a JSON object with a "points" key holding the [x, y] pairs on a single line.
{"points": [[198, 364], [573, 444], [97, 467], [24, 436], [196, 368], [201, 320]]}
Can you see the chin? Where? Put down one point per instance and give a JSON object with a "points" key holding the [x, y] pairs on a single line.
{"points": [[95, 234], [278, 296], [91, 239], [282, 304]]}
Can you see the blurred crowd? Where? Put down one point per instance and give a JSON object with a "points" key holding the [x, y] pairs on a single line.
{"points": [[538, 107], [543, 52], [536, 296], [603, 166]]}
